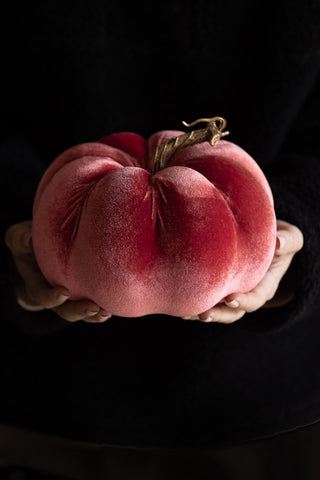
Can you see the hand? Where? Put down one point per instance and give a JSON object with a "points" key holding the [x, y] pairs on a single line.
{"points": [[265, 294], [33, 291]]}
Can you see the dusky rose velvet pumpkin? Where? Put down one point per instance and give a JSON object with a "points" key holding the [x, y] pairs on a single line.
{"points": [[136, 242]]}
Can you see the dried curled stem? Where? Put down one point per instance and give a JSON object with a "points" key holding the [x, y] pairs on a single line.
{"points": [[211, 133]]}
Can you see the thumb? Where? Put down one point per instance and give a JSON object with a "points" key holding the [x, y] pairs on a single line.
{"points": [[289, 238], [18, 238]]}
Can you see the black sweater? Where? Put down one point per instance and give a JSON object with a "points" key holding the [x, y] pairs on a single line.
{"points": [[77, 72]]}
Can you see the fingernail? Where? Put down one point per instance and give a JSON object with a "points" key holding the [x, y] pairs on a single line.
{"points": [[27, 239], [62, 296], [103, 313], [233, 304], [91, 312], [281, 241], [209, 319]]}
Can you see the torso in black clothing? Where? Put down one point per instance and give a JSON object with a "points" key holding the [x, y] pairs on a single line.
{"points": [[83, 70]]}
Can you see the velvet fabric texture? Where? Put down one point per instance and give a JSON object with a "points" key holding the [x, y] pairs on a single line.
{"points": [[77, 71], [176, 242]]}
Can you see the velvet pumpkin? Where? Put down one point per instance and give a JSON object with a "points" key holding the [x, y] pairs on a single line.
{"points": [[174, 242]]}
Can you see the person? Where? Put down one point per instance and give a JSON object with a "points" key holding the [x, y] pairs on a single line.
{"points": [[245, 368], [34, 292]]}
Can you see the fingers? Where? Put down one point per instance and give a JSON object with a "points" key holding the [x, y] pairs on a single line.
{"points": [[56, 299], [265, 290], [47, 296], [101, 317], [18, 238], [85, 310], [51, 298], [289, 238], [34, 292], [236, 305], [289, 242], [37, 288], [72, 311], [222, 314], [23, 298]]}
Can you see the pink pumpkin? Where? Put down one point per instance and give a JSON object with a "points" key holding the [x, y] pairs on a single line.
{"points": [[174, 242]]}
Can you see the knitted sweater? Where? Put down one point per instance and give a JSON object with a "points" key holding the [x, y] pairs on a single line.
{"points": [[79, 71]]}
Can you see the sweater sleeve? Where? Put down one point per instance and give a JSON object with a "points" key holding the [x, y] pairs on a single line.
{"points": [[295, 182], [21, 171]]}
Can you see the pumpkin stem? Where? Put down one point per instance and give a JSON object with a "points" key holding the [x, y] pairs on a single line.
{"points": [[211, 133]]}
